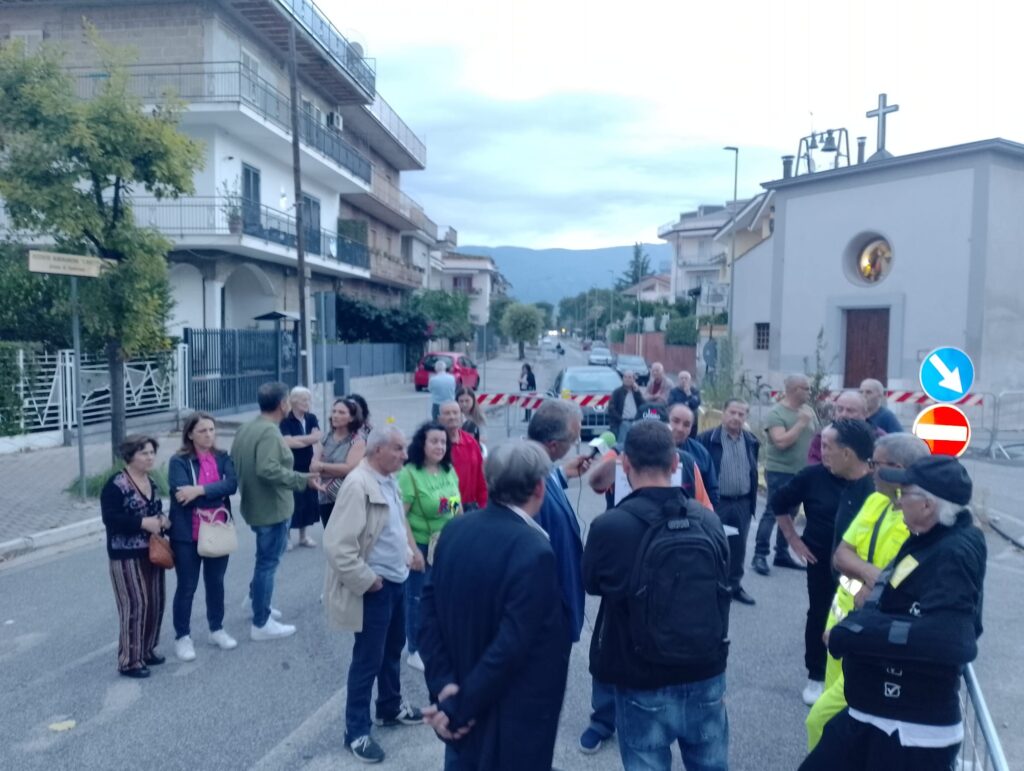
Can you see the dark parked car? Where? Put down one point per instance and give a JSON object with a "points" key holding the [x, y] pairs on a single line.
{"points": [[582, 381], [634, 364]]}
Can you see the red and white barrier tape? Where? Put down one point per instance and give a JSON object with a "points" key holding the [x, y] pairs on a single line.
{"points": [[533, 401], [907, 397]]}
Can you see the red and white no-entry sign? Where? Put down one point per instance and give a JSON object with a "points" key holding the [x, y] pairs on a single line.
{"points": [[945, 428]]}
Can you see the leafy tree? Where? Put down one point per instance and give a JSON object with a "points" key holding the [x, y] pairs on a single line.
{"points": [[36, 307], [68, 169], [639, 268], [522, 324], [498, 306], [547, 311], [447, 314]]}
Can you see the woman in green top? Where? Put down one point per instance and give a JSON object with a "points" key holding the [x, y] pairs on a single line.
{"points": [[430, 491]]}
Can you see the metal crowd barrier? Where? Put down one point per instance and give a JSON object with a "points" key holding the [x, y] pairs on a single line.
{"points": [[1007, 426], [981, 749]]}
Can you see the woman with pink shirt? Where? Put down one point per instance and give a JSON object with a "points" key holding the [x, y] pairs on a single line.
{"points": [[201, 478]]}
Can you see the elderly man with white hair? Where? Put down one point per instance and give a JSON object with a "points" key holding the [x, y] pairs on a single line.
{"points": [[441, 386], [850, 404], [879, 415], [369, 548], [658, 388], [904, 651], [685, 392]]}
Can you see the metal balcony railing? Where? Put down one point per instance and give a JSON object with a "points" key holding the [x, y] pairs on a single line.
{"points": [[229, 82], [389, 267], [388, 118], [190, 216], [344, 54]]}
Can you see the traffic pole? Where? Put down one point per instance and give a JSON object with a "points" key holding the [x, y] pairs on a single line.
{"points": [[76, 336]]}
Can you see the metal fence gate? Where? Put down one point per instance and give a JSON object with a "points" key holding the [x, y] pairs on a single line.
{"points": [[226, 366]]}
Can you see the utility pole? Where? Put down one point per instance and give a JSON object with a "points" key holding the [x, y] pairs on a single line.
{"points": [[735, 212], [300, 235]]}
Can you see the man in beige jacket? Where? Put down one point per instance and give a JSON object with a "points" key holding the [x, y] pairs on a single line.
{"points": [[369, 549]]}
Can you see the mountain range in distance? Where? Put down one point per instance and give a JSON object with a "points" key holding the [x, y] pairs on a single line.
{"points": [[548, 275]]}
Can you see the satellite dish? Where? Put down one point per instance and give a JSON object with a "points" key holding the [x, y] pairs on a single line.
{"points": [[356, 41], [357, 49]]}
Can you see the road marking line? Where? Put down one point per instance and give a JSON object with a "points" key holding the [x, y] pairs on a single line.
{"points": [[326, 718]]}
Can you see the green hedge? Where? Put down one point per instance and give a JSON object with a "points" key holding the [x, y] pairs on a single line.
{"points": [[681, 331], [10, 387]]}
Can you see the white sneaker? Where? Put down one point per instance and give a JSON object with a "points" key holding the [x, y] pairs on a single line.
{"points": [[184, 649], [271, 630], [415, 661], [812, 692], [223, 640], [247, 607]]}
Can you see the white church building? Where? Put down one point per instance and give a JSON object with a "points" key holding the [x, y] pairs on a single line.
{"points": [[892, 258]]}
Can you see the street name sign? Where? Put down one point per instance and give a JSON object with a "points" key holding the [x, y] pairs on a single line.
{"points": [[81, 265]]}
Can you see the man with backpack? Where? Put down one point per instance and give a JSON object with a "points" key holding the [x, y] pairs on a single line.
{"points": [[659, 561]]}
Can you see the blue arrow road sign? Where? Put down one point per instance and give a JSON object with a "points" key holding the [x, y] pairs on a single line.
{"points": [[947, 374]]}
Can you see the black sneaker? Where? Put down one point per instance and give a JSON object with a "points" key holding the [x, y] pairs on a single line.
{"points": [[760, 565], [367, 750], [406, 715]]}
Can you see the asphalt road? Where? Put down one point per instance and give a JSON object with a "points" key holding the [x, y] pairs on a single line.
{"points": [[280, 704]]}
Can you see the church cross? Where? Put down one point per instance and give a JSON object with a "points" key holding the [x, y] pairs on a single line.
{"points": [[880, 113]]}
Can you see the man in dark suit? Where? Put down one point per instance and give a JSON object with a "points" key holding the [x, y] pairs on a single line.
{"points": [[734, 453], [494, 635]]}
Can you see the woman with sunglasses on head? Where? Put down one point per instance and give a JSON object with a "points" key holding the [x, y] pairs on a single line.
{"points": [[202, 478], [342, 449]]}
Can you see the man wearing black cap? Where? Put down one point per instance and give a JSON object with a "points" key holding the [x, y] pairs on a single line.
{"points": [[903, 652]]}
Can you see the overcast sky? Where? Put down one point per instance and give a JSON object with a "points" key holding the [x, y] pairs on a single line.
{"points": [[563, 123]]}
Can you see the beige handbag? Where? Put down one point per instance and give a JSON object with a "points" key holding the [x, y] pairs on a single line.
{"points": [[217, 538], [217, 534]]}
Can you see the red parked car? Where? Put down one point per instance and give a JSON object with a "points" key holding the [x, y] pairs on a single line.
{"points": [[458, 364]]}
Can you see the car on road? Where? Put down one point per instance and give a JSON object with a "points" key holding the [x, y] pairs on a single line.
{"points": [[635, 364], [600, 355], [585, 381], [459, 365]]}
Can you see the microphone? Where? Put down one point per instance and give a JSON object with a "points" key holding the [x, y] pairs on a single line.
{"points": [[599, 445]]}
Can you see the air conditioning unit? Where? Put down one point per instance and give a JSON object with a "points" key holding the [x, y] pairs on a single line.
{"points": [[334, 120]]}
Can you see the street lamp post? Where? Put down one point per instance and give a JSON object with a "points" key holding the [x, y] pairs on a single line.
{"points": [[732, 257]]}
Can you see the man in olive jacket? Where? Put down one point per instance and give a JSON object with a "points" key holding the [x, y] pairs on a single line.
{"points": [[266, 478]]}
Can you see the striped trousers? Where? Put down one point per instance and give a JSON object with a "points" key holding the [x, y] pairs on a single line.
{"points": [[139, 594]]}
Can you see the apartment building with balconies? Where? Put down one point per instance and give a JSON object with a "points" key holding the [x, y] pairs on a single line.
{"points": [[234, 254]]}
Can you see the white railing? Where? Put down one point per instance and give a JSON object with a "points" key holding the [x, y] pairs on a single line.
{"points": [[152, 384]]}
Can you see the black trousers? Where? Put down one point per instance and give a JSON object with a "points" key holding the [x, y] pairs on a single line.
{"points": [[736, 512], [850, 745], [821, 587]]}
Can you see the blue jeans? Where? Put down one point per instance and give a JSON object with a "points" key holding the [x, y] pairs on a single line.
{"points": [[763, 540], [692, 714], [376, 655], [187, 564], [413, 592], [602, 701], [271, 541]]}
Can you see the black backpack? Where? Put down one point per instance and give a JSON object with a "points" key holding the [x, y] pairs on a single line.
{"points": [[679, 591]]}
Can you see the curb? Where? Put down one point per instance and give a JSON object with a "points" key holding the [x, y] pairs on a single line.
{"points": [[57, 535]]}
